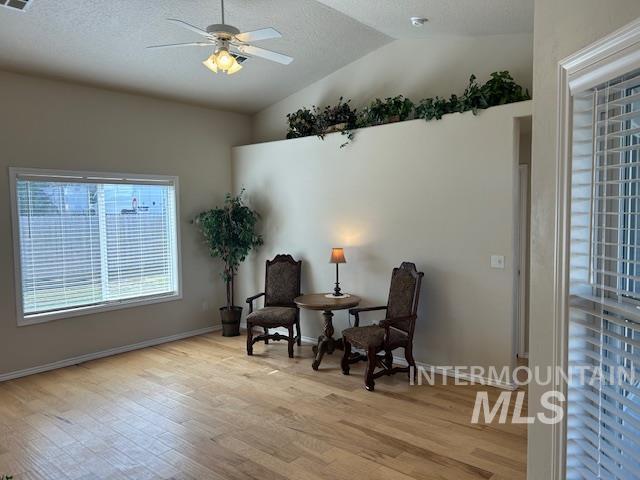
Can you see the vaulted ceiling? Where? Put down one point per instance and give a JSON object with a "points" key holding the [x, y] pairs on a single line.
{"points": [[448, 17], [103, 42]]}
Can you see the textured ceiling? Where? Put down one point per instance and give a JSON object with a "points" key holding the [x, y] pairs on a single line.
{"points": [[103, 43], [451, 17]]}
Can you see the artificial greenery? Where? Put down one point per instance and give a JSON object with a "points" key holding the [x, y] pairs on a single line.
{"points": [[383, 111], [320, 121], [500, 89], [431, 108], [230, 233], [340, 117], [302, 123], [332, 115], [473, 98], [6, 477]]}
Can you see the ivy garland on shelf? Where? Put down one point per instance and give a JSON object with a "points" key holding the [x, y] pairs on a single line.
{"points": [[315, 121], [302, 123], [500, 89], [389, 110]]}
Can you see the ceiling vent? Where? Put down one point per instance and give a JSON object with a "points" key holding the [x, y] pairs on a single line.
{"points": [[16, 4]]}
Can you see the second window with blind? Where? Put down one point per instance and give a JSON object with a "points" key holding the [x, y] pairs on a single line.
{"points": [[604, 333], [88, 242]]}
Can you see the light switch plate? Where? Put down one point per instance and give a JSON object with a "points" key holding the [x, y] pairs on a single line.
{"points": [[497, 261]]}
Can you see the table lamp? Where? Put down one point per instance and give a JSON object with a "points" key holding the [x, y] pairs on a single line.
{"points": [[337, 257]]}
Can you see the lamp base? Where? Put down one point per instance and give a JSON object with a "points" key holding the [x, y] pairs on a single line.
{"points": [[342, 295]]}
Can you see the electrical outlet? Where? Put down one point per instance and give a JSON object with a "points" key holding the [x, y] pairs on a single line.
{"points": [[497, 261]]}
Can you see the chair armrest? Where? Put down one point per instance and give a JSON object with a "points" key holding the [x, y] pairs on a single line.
{"points": [[357, 311], [250, 300], [390, 322]]}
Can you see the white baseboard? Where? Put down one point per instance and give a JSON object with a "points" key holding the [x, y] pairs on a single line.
{"points": [[105, 353]]}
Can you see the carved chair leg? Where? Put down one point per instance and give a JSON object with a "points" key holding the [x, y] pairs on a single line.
{"points": [[299, 333], [291, 340], [266, 332], [388, 359], [408, 355], [371, 366], [344, 363], [249, 339]]}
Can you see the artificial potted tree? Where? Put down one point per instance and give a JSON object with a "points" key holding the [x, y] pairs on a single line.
{"points": [[230, 233]]}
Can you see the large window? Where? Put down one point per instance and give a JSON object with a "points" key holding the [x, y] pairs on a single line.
{"points": [[604, 333], [87, 242]]}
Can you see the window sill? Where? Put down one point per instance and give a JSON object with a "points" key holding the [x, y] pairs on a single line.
{"points": [[35, 319]]}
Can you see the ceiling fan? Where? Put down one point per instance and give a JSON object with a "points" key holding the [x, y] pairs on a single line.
{"points": [[232, 48]]}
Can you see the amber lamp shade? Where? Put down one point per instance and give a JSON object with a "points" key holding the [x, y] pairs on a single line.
{"points": [[337, 257]]}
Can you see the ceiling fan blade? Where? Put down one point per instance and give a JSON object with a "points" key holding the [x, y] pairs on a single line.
{"points": [[257, 35], [188, 26], [266, 54], [190, 44]]}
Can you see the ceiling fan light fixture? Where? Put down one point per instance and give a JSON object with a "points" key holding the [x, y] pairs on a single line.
{"points": [[225, 37], [213, 64], [236, 67], [224, 60], [210, 63]]}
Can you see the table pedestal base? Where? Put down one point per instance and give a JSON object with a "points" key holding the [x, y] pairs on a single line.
{"points": [[328, 344]]}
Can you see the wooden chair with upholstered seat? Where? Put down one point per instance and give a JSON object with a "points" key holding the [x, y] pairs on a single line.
{"points": [[281, 287], [395, 331]]}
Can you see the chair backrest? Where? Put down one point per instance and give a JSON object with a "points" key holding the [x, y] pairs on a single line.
{"points": [[404, 294], [282, 282]]}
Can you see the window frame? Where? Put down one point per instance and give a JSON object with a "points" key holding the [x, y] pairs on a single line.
{"points": [[612, 56], [626, 262], [33, 319]]}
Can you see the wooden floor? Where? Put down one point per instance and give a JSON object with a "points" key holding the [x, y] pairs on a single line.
{"points": [[201, 409]]}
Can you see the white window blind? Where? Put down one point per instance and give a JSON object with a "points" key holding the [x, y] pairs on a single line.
{"points": [[604, 332], [87, 241]]}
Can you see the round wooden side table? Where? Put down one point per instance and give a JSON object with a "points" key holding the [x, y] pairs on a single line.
{"points": [[318, 301]]}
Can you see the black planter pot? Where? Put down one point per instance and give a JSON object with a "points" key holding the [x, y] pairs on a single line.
{"points": [[230, 321]]}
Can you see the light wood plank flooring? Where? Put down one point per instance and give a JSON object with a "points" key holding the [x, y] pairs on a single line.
{"points": [[201, 409]]}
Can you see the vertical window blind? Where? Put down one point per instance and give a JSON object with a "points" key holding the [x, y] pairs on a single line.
{"points": [[603, 426], [87, 241]]}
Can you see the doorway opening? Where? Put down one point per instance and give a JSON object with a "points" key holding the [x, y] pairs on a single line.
{"points": [[523, 235]]}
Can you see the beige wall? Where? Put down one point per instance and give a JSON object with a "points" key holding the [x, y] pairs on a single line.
{"points": [[561, 27], [48, 124], [440, 194], [439, 65]]}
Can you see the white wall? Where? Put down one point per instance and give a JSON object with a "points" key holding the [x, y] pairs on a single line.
{"points": [[439, 65], [560, 28], [49, 124], [440, 194]]}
